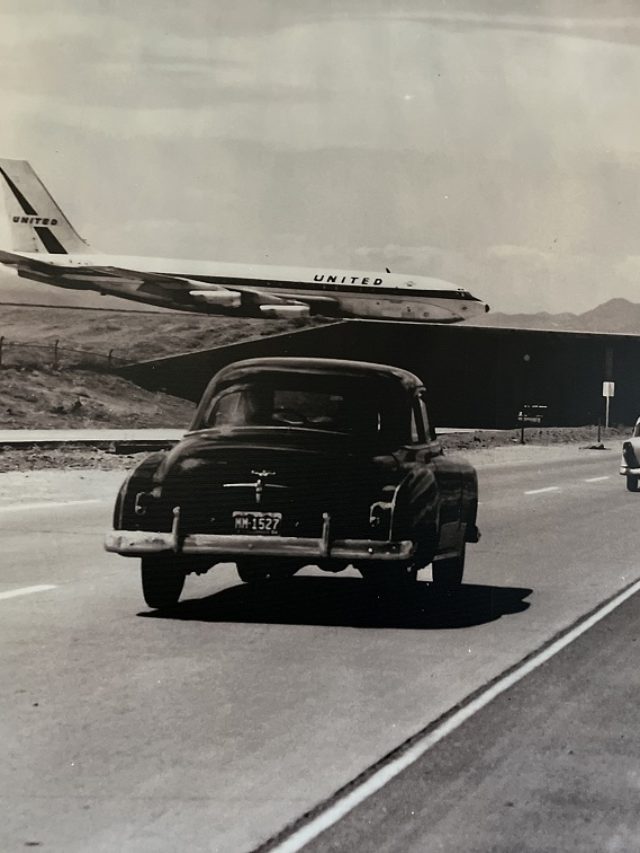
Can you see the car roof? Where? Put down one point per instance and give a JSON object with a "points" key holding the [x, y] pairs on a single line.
{"points": [[319, 366]]}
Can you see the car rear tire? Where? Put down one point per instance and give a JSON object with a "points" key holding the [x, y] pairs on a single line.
{"points": [[162, 581], [260, 571], [447, 573], [632, 482]]}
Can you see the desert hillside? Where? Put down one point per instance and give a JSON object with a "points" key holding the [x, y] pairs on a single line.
{"points": [[77, 399], [130, 335], [40, 390]]}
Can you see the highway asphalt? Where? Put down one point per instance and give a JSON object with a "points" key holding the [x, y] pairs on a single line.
{"points": [[216, 726], [553, 764]]}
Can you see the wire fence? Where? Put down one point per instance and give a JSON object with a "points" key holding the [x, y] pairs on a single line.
{"points": [[52, 355]]}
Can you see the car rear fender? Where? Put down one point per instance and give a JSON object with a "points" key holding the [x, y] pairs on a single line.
{"points": [[139, 480], [417, 505], [458, 482]]}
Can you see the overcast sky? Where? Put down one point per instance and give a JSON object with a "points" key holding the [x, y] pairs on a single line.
{"points": [[493, 143]]}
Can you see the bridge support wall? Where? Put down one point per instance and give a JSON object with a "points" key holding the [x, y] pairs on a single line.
{"points": [[475, 376]]}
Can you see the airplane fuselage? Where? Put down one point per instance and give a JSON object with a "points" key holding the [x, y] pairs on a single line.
{"points": [[348, 293]]}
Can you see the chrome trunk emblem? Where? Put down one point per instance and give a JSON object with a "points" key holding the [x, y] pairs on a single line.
{"points": [[259, 484]]}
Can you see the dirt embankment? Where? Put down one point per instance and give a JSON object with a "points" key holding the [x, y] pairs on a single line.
{"points": [[41, 386], [41, 389], [81, 399]]}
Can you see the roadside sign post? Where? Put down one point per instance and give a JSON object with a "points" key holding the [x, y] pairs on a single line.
{"points": [[608, 391], [526, 358]]}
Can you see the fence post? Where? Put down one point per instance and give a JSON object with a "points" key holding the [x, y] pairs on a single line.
{"points": [[1, 343], [55, 353], [109, 359]]}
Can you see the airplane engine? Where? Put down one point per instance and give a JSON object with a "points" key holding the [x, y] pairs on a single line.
{"points": [[219, 297], [285, 312]]}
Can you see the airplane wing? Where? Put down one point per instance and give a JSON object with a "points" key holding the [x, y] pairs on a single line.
{"points": [[170, 291]]}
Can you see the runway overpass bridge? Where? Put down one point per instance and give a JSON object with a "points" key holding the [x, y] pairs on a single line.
{"points": [[475, 376]]}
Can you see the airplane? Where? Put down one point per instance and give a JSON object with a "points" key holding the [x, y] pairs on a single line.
{"points": [[44, 247]]}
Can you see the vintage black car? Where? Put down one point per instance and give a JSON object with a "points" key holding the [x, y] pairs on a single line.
{"points": [[300, 461]]}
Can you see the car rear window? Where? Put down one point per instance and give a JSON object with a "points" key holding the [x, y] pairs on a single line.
{"points": [[363, 408]]}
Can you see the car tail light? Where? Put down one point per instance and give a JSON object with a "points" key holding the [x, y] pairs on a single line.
{"points": [[381, 512], [629, 455]]}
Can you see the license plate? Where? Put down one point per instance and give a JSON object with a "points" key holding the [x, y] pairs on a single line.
{"points": [[258, 523]]}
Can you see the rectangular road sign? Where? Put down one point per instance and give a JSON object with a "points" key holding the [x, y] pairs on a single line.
{"points": [[608, 389]]}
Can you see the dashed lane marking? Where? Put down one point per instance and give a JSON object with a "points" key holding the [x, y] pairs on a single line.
{"points": [[26, 590], [326, 815], [47, 505], [596, 479], [540, 491]]}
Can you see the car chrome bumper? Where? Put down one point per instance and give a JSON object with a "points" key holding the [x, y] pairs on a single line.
{"points": [[137, 543], [625, 469]]}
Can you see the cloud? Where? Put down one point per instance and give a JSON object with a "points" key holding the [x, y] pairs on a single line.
{"points": [[481, 143]]}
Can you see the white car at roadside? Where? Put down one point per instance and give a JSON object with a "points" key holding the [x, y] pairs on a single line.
{"points": [[630, 462]]}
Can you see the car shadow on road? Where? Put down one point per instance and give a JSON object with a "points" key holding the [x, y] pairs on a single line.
{"points": [[350, 602]]}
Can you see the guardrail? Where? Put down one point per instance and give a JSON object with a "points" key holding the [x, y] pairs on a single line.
{"points": [[29, 354], [135, 440]]}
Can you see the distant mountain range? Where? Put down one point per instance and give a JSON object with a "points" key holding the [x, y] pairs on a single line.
{"points": [[616, 315]]}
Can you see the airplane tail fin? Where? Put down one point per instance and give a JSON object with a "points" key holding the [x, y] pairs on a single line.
{"points": [[33, 220]]}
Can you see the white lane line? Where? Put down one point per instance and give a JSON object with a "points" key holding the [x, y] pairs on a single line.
{"points": [[26, 590], [596, 479], [540, 491], [47, 505], [355, 795]]}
